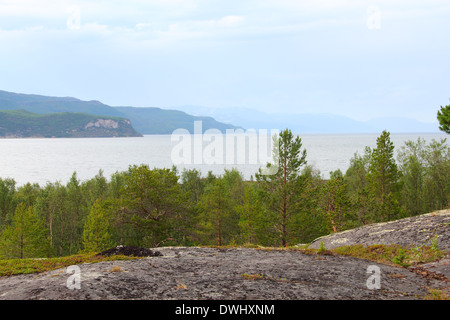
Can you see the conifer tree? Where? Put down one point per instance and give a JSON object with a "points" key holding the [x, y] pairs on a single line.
{"points": [[335, 202], [437, 179], [7, 200], [412, 166], [284, 188], [152, 202], [250, 211], [97, 229], [26, 237], [51, 206], [216, 207], [383, 177], [444, 119]]}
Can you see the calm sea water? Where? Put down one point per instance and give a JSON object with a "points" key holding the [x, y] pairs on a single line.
{"points": [[50, 160]]}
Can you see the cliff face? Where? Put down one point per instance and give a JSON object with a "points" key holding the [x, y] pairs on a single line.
{"points": [[106, 128], [25, 124]]}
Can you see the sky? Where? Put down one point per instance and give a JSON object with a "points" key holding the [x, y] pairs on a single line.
{"points": [[361, 59]]}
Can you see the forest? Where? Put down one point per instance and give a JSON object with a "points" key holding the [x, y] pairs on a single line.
{"points": [[152, 207]]}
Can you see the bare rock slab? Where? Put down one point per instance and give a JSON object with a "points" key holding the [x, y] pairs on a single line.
{"points": [[196, 273], [413, 231]]}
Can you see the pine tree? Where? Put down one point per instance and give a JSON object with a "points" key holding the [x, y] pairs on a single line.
{"points": [[192, 184], [97, 229], [284, 188], [51, 206], [152, 202], [26, 237], [7, 200], [383, 177], [444, 119], [74, 215], [250, 213], [216, 206], [412, 166], [437, 178], [335, 202]]}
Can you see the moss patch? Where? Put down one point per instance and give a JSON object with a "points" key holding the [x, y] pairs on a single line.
{"points": [[25, 266]]}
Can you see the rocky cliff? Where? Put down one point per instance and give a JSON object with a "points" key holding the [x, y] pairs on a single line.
{"points": [[25, 124]]}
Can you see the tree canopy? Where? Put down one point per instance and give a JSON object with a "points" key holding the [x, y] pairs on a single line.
{"points": [[295, 204], [444, 119]]}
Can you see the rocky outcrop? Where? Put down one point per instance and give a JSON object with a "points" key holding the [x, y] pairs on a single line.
{"points": [[232, 274], [103, 123], [413, 231], [105, 128]]}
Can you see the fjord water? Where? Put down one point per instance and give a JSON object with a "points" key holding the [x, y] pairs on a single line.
{"points": [[50, 160]]}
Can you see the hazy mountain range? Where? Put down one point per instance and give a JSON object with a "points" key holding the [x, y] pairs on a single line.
{"points": [[310, 123], [164, 121], [144, 120]]}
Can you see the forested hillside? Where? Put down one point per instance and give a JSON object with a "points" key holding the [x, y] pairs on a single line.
{"points": [[25, 124], [149, 207], [144, 120]]}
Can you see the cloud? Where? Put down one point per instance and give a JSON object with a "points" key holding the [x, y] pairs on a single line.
{"points": [[215, 52], [196, 19]]}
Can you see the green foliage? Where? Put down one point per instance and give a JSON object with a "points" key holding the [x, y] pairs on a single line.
{"points": [[192, 184], [356, 175], [22, 123], [321, 248], [436, 294], [413, 172], [7, 201], [97, 229], [153, 203], [217, 208], [285, 189], [12, 267], [382, 178], [144, 120], [443, 117], [437, 179], [150, 207], [400, 258], [394, 254], [251, 213], [26, 237], [335, 204]]}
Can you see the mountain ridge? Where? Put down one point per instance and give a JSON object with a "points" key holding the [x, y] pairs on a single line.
{"points": [[150, 120], [311, 122], [154, 120]]}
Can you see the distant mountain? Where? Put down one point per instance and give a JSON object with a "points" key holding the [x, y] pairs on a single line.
{"points": [[144, 120], [161, 121], [310, 123], [44, 104], [165, 121], [24, 124]]}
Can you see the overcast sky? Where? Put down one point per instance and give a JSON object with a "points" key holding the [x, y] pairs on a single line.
{"points": [[362, 59]]}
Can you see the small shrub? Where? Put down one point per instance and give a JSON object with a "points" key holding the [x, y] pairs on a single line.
{"points": [[321, 248], [400, 258]]}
